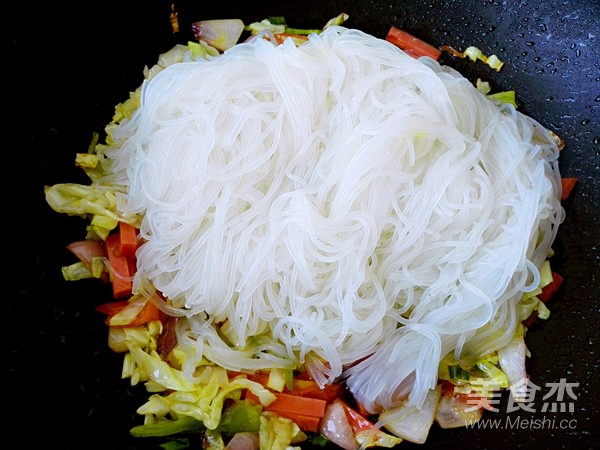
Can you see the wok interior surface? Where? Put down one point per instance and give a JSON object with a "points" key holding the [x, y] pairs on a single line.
{"points": [[71, 62]]}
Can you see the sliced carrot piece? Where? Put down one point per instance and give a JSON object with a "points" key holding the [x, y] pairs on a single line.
{"points": [[111, 308], [304, 387], [147, 314], [551, 289], [293, 404], [261, 378], [127, 239], [567, 187], [412, 45], [132, 264], [119, 268], [305, 423]]}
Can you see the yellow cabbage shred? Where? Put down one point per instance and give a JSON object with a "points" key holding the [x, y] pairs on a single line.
{"points": [[278, 433]]}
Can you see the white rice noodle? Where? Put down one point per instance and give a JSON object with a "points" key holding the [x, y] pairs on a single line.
{"points": [[334, 203]]}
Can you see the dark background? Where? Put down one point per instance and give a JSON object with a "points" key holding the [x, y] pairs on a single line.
{"points": [[70, 62]]}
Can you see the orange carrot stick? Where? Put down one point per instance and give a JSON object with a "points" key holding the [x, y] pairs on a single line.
{"points": [[305, 423], [147, 314], [127, 239], [551, 289], [293, 404], [119, 268], [413, 46], [567, 187]]}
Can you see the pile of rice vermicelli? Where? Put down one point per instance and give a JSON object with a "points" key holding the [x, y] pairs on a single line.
{"points": [[338, 205]]}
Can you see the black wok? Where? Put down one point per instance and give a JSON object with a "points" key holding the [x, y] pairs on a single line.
{"points": [[70, 62]]}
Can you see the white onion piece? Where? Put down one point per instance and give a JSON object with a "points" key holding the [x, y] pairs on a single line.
{"points": [[86, 250], [453, 412], [222, 34], [335, 426], [410, 422], [243, 441], [512, 361]]}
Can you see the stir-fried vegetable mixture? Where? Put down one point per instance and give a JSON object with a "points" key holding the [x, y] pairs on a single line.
{"points": [[275, 409]]}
